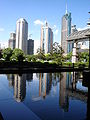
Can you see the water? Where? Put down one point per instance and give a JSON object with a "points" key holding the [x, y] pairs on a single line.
{"points": [[44, 96]]}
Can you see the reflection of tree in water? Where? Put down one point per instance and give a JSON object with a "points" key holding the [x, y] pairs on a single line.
{"points": [[56, 78], [29, 77]]}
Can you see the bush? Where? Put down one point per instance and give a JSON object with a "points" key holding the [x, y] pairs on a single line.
{"points": [[81, 65], [68, 64]]}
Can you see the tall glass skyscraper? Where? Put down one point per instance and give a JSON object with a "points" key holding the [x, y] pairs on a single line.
{"points": [[22, 34], [46, 38], [65, 31]]}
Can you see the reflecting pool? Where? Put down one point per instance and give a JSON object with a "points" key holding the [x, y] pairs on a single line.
{"points": [[43, 96]]}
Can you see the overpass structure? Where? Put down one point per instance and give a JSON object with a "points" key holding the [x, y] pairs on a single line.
{"points": [[75, 38]]}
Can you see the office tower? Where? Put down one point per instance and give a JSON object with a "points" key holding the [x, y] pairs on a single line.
{"points": [[46, 38], [65, 30], [12, 40], [21, 34], [30, 47]]}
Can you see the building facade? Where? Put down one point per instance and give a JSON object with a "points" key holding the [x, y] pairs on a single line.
{"points": [[30, 47], [12, 40], [65, 31], [78, 38], [22, 34], [46, 38]]}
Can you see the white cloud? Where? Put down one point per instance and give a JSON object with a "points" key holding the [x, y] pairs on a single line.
{"points": [[79, 29], [1, 29], [56, 32], [36, 45], [38, 22], [4, 45]]}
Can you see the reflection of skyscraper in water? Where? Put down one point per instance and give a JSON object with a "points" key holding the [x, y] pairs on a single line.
{"points": [[29, 77], [63, 98], [42, 85], [10, 78], [20, 87], [71, 80], [45, 82]]}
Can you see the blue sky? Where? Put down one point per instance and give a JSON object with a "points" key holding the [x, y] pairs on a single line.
{"points": [[37, 11]]}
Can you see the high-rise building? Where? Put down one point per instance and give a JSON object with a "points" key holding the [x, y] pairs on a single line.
{"points": [[22, 34], [46, 38], [30, 47], [65, 30], [12, 40]]}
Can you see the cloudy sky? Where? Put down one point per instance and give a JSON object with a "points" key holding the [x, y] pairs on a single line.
{"points": [[36, 12]]}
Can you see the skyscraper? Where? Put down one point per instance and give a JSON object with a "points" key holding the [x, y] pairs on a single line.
{"points": [[65, 30], [12, 40], [46, 38], [30, 47], [22, 34]]}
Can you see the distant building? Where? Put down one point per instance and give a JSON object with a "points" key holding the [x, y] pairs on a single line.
{"points": [[12, 40], [65, 30], [46, 38], [30, 47], [73, 29], [22, 34]]}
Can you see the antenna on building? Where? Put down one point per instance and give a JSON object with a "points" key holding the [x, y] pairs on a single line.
{"points": [[66, 7]]}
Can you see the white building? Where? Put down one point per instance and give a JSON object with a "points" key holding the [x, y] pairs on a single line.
{"points": [[46, 38], [21, 34]]}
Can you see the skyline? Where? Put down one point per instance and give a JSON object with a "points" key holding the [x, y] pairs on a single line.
{"points": [[36, 12]]}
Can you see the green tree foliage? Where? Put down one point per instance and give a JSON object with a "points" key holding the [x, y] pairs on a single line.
{"points": [[17, 55], [57, 53], [40, 54], [83, 57], [48, 57], [7, 53], [1, 54], [69, 56]]}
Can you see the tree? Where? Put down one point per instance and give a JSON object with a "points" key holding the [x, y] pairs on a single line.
{"points": [[40, 54], [57, 53], [1, 54], [7, 53], [69, 56], [48, 57], [17, 55], [83, 57]]}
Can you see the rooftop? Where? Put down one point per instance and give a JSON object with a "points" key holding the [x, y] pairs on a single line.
{"points": [[79, 35]]}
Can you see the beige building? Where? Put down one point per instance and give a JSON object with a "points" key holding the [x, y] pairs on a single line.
{"points": [[46, 38], [22, 34]]}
